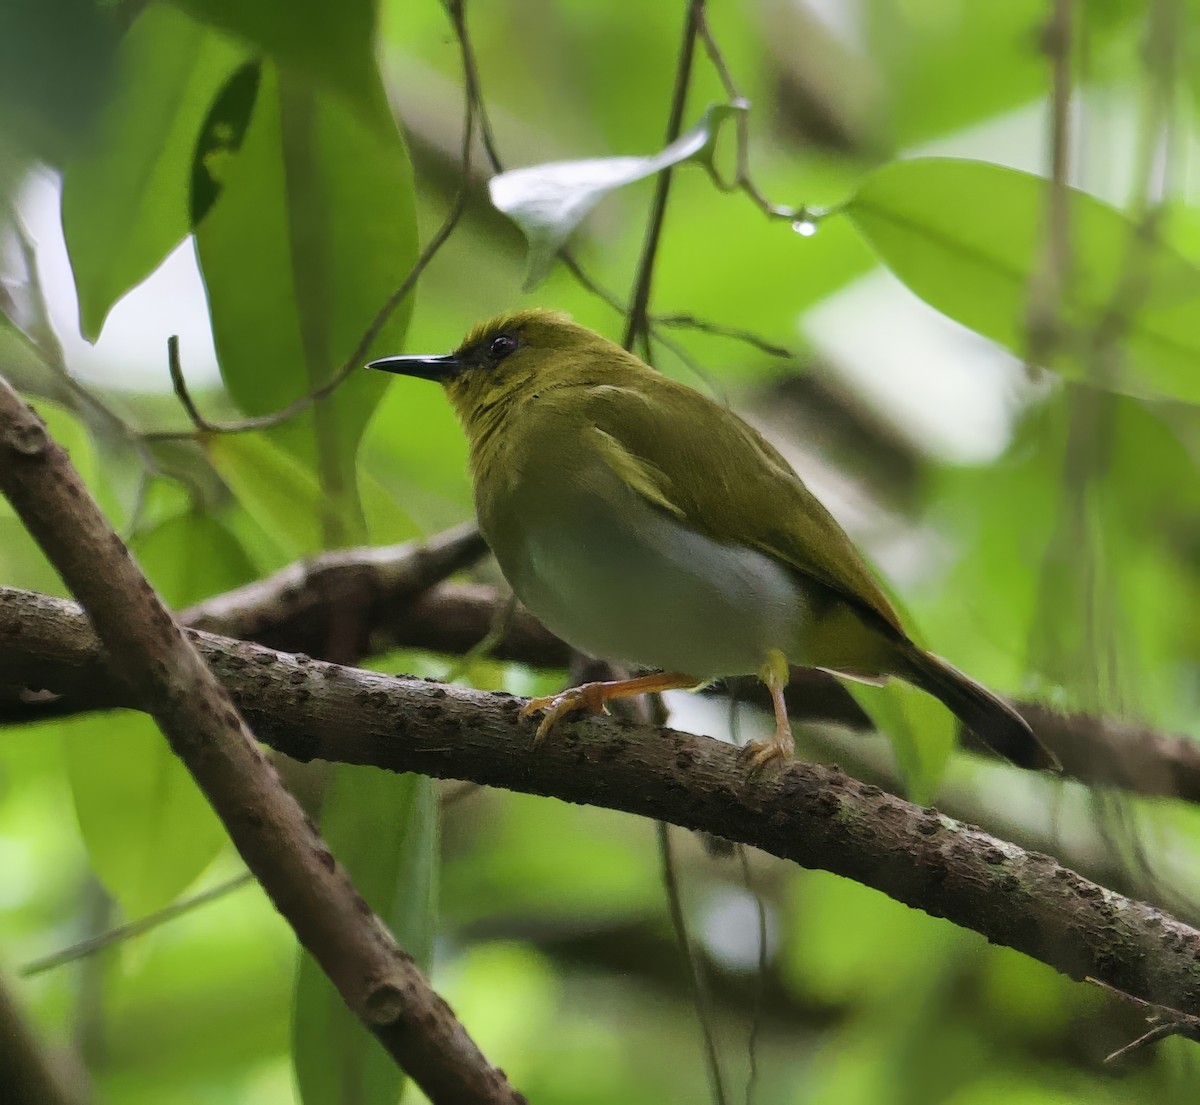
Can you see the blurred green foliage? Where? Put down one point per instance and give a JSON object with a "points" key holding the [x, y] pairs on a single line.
{"points": [[1065, 567]]}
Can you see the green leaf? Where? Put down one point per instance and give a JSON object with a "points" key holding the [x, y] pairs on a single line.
{"points": [[125, 203], [1113, 614], [549, 201], [416, 450], [383, 828], [920, 728], [221, 137], [968, 238], [274, 488], [24, 366], [388, 522], [1077, 591], [148, 829], [333, 43], [946, 66], [168, 554], [56, 60], [311, 232]]}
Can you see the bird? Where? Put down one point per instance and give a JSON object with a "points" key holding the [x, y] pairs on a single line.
{"points": [[648, 525]]}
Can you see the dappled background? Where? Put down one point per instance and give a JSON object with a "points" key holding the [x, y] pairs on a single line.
{"points": [[887, 328]]}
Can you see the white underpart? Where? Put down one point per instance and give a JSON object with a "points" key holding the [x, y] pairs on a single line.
{"points": [[629, 583]]}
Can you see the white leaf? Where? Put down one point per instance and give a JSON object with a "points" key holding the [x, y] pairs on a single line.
{"points": [[549, 201]]}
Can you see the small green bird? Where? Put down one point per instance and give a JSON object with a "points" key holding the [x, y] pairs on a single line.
{"points": [[646, 524]]}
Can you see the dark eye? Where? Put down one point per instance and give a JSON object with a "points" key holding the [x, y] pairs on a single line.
{"points": [[502, 346]]}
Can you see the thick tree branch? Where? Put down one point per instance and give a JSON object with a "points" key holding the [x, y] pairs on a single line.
{"points": [[296, 608], [149, 652], [453, 618], [808, 813]]}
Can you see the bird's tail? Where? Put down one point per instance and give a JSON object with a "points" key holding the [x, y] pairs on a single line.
{"points": [[989, 717]]}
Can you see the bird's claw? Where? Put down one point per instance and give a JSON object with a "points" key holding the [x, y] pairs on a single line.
{"points": [[588, 696], [779, 747]]}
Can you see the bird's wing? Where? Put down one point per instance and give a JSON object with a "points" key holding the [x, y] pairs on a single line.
{"points": [[750, 494]]}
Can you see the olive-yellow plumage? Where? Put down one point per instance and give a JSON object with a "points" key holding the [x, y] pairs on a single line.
{"points": [[646, 524]]}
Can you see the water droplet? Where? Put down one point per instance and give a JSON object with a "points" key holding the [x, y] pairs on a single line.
{"points": [[805, 227]]}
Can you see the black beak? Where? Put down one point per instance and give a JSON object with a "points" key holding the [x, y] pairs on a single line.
{"points": [[424, 368]]}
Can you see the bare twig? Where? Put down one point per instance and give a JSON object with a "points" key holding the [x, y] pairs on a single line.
{"points": [[1045, 298], [44, 341], [1165, 1022], [151, 655], [699, 994], [352, 364], [763, 967], [568, 260], [743, 181], [133, 929], [1155, 128], [636, 323], [450, 797], [456, 9], [735, 333], [179, 386]]}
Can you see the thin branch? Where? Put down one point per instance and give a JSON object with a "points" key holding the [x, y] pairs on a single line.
{"points": [[762, 971], [450, 797], [568, 260], [1155, 1034], [44, 342], [1045, 298], [179, 386], [743, 181], [736, 333], [352, 364], [133, 929], [640, 300], [456, 9], [1145, 208], [813, 815], [1165, 1022], [637, 327], [699, 994], [149, 652]]}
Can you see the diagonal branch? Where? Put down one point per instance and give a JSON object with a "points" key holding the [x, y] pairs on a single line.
{"points": [[30, 1073], [379, 982], [811, 814]]}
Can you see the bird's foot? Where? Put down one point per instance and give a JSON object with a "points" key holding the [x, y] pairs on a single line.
{"points": [[779, 747], [592, 697], [587, 696]]}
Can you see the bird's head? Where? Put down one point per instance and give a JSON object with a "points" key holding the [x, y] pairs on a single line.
{"points": [[507, 359]]}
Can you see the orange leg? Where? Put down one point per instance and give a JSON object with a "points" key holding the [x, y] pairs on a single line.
{"points": [[593, 696], [781, 745]]}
